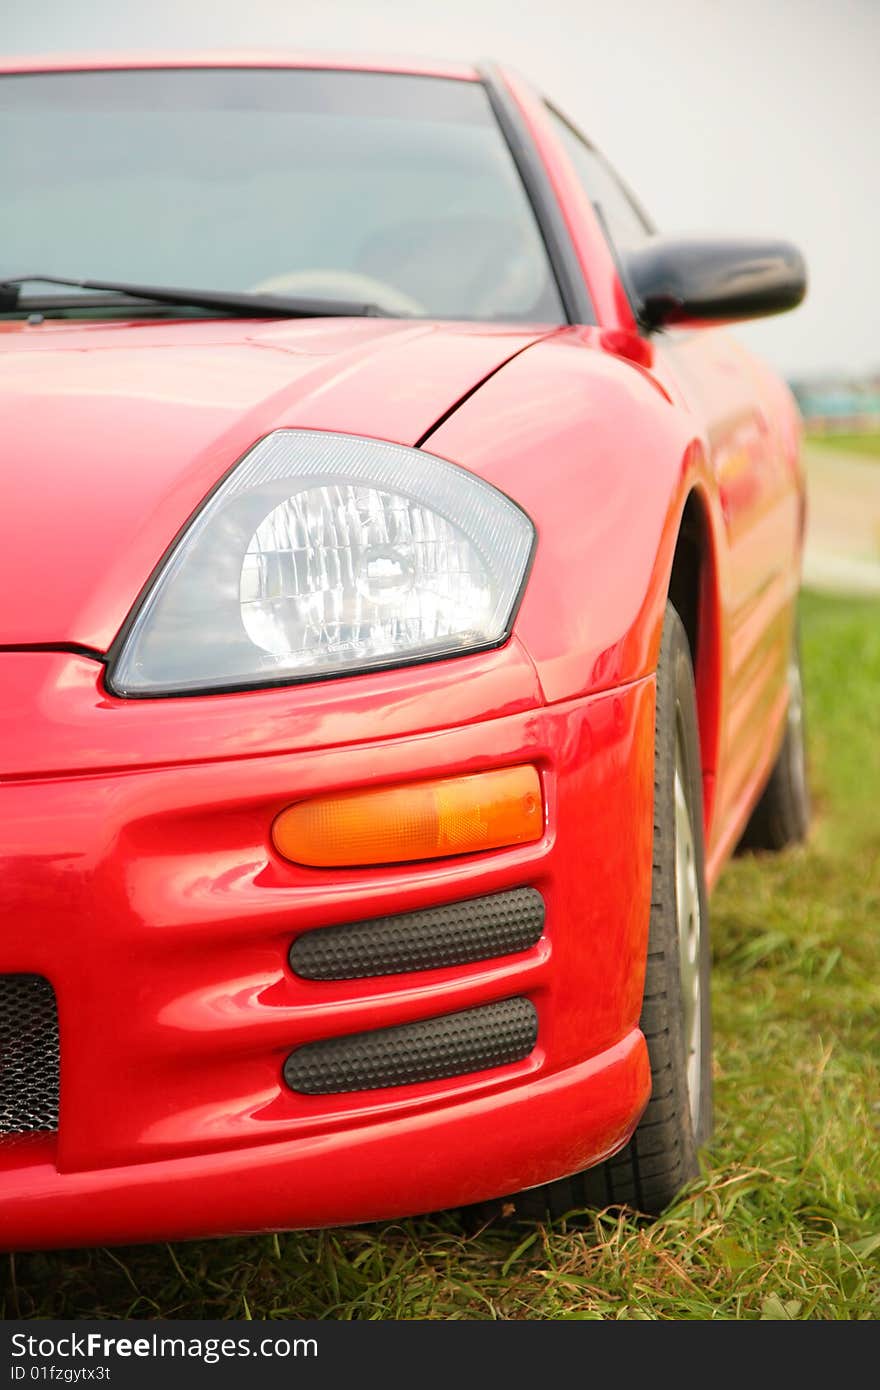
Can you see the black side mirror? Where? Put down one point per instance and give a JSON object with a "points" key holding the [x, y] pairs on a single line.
{"points": [[691, 280]]}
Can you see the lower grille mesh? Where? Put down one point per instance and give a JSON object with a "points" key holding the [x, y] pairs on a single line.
{"points": [[29, 1055], [472, 1040]]}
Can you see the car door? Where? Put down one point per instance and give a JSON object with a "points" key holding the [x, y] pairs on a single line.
{"points": [[732, 405]]}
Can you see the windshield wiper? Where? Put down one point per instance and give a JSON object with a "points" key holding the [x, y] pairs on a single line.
{"points": [[223, 301]]}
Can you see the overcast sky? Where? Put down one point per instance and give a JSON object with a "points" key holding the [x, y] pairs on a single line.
{"points": [[728, 115]]}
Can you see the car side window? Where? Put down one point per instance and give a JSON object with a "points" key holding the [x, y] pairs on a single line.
{"points": [[625, 224]]}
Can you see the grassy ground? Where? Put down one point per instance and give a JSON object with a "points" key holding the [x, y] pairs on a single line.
{"points": [[785, 1223], [866, 445]]}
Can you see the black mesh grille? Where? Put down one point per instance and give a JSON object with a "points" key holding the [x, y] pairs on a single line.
{"points": [[497, 925], [472, 1040], [29, 1055]]}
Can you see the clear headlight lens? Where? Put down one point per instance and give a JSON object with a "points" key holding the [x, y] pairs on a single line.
{"points": [[325, 554]]}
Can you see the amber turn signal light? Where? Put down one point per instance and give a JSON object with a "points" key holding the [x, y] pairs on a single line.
{"points": [[418, 820]]}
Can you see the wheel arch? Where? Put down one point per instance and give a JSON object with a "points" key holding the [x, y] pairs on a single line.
{"points": [[623, 499], [693, 590]]}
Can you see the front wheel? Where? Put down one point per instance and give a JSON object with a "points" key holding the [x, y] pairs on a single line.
{"points": [[661, 1157]]}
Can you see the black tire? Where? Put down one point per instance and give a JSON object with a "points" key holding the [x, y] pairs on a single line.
{"points": [[661, 1157], [782, 816]]}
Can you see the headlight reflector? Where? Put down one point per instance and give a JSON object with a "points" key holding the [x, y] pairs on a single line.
{"points": [[349, 568], [324, 554]]}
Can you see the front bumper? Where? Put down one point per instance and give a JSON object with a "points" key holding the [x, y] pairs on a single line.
{"points": [[140, 881]]}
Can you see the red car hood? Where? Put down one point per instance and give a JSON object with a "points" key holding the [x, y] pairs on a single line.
{"points": [[113, 433]]}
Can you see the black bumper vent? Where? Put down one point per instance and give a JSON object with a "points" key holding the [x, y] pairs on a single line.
{"points": [[29, 1055], [472, 1040], [456, 934]]}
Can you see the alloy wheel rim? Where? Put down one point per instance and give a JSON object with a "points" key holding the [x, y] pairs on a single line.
{"points": [[689, 920]]}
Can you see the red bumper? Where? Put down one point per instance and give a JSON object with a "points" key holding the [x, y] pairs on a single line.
{"points": [[140, 881]]}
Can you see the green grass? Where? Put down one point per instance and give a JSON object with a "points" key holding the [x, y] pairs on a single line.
{"points": [[866, 445], [785, 1222]]}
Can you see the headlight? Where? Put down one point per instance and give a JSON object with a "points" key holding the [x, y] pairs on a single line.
{"points": [[325, 554]]}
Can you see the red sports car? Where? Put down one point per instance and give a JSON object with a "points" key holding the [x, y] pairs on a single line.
{"points": [[397, 634]]}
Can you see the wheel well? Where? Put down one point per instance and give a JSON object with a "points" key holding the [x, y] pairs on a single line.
{"points": [[694, 595], [684, 582]]}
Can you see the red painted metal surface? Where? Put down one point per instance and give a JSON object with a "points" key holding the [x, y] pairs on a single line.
{"points": [[138, 873], [154, 902], [387, 1169]]}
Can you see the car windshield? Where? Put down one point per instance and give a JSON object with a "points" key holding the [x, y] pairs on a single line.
{"points": [[396, 190]]}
